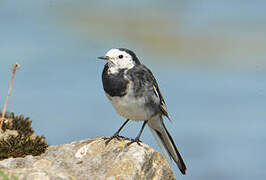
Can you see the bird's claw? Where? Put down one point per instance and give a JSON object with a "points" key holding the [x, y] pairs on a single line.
{"points": [[116, 136], [136, 140]]}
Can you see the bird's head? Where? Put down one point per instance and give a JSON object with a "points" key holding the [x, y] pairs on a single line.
{"points": [[121, 58]]}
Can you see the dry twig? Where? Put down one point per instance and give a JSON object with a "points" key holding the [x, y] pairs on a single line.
{"points": [[15, 66]]}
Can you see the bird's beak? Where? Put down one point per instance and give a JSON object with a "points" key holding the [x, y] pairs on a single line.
{"points": [[103, 57]]}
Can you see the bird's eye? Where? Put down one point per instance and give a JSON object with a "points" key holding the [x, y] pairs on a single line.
{"points": [[120, 56]]}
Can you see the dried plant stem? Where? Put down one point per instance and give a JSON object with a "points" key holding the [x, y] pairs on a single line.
{"points": [[15, 66]]}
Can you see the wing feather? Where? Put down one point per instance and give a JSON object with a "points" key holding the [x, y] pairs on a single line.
{"points": [[142, 76], [162, 102]]}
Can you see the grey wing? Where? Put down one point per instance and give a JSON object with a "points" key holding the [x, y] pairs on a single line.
{"points": [[143, 75], [158, 93]]}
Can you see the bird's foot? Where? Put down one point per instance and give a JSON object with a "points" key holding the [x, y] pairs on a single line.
{"points": [[116, 136], [136, 140]]}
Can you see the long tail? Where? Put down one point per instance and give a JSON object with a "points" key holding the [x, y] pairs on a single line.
{"points": [[166, 142]]}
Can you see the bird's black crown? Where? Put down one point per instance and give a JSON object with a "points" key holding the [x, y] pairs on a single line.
{"points": [[132, 54]]}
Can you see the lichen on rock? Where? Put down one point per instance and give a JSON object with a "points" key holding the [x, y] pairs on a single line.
{"points": [[92, 159], [18, 139]]}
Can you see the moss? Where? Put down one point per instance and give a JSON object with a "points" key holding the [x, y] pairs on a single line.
{"points": [[6, 177], [18, 139]]}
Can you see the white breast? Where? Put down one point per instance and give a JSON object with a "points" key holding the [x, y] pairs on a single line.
{"points": [[130, 107]]}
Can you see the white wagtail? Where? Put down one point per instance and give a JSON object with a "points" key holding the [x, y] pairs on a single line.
{"points": [[135, 95]]}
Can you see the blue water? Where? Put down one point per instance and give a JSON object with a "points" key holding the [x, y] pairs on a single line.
{"points": [[217, 107]]}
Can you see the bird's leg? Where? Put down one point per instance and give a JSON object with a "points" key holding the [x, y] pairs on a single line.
{"points": [[116, 134], [137, 139]]}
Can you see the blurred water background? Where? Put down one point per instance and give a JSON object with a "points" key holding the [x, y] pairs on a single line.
{"points": [[209, 57]]}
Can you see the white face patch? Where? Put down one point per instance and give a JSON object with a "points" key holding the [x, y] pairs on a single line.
{"points": [[119, 60]]}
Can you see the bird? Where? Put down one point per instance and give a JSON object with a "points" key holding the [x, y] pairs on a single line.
{"points": [[135, 95]]}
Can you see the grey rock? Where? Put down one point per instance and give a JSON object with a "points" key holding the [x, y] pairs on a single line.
{"points": [[90, 159]]}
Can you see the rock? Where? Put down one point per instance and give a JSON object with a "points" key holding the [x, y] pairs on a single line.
{"points": [[90, 159]]}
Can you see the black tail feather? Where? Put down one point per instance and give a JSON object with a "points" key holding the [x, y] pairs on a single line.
{"points": [[180, 163]]}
